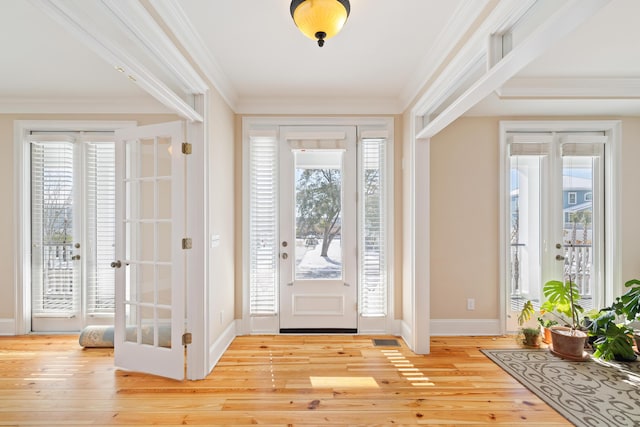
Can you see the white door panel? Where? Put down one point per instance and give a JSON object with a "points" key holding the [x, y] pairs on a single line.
{"points": [[318, 268], [150, 280]]}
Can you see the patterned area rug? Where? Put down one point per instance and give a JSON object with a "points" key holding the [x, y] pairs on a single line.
{"points": [[591, 393]]}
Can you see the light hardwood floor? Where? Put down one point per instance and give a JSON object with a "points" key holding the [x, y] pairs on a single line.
{"points": [[270, 380]]}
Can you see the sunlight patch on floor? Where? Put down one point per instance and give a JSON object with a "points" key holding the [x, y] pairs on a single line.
{"points": [[407, 369], [338, 382]]}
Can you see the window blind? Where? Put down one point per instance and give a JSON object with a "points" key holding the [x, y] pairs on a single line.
{"points": [[100, 227], [263, 202], [373, 228], [53, 272]]}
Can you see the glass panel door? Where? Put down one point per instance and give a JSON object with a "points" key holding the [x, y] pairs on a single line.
{"points": [[150, 278], [72, 231], [318, 290], [556, 215]]}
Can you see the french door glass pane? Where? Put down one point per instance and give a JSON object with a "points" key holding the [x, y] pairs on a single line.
{"points": [[318, 207], [578, 220], [148, 178], [525, 228]]}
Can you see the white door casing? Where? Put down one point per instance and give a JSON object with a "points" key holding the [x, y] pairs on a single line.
{"points": [[311, 300], [150, 260]]}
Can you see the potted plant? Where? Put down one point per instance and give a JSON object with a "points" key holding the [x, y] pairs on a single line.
{"points": [[545, 325], [562, 298], [529, 336], [614, 338]]}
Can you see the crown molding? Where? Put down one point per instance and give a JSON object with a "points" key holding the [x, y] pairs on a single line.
{"points": [[318, 105], [101, 105], [69, 16], [570, 88], [177, 21]]}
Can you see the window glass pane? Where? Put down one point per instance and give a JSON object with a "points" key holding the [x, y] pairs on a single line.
{"points": [[263, 202], [525, 214], [318, 207], [373, 233], [577, 190]]}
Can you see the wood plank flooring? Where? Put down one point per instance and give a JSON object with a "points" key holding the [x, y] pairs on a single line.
{"points": [[270, 380]]}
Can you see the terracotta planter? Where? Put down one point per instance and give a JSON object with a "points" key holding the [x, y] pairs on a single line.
{"points": [[531, 340], [546, 335], [567, 343]]}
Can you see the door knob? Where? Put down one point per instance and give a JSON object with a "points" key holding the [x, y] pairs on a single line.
{"points": [[116, 264], [75, 257], [560, 258], [285, 255]]}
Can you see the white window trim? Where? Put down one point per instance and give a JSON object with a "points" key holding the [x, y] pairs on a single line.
{"points": [[572, 198], [21, 203], [269, 324], [613, 247]]}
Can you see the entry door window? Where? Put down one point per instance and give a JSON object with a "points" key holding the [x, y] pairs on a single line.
{"points": [[556, 211], [318, 200], [72, 231]]}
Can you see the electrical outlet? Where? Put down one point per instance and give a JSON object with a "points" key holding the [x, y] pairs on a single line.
{"points": [[471, 304]]}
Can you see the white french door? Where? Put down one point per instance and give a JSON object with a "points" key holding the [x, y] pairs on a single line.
{"points": [[556, 216], [72, 230], [150, 256], [318, 231]]}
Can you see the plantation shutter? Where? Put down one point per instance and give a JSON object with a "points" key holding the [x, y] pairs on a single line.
{"points": [[373, 227], [263, 202], [100, 227], [53, 274]]}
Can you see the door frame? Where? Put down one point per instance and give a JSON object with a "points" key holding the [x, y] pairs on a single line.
{"points": [[269, 324], [22, 204], [612, 243]]}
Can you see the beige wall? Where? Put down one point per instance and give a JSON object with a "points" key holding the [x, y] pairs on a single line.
{"points": [[630, 203], [465, 213], [222, 214], [8, 223]]}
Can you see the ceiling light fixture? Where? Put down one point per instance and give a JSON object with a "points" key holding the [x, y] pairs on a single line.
{"points": [[320, 19]]}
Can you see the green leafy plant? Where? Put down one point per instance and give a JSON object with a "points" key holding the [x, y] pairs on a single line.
{"points": [[526, 313], [614, 337], [562, 298]]}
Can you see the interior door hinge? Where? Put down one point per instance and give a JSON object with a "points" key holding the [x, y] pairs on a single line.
{"points": [[187, 243], [186, 148], [186, 338]]}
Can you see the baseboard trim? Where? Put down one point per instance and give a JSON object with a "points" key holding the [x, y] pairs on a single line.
{"points": [[7, 327], [318, 331], [223, 342], [462, 327]]}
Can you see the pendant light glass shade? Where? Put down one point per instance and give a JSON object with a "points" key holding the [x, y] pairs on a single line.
{"points": [[320, 19]]}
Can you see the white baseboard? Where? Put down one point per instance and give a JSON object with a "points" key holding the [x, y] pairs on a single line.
{"points": [[7, 327], [218, 348], [406, 332], [461, 327]]}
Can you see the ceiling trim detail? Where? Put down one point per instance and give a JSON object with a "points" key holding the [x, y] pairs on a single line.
{"points": [[177, 21], [570, 88], [89, 105], [561, 22], [135, 19], [117, 56], [461, 21]]}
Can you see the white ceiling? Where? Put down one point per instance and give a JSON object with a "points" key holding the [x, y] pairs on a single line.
{"points": [[378, 63]]}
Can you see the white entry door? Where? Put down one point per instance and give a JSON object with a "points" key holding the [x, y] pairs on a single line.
{"points": [[318, 256], [150, 225]]}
